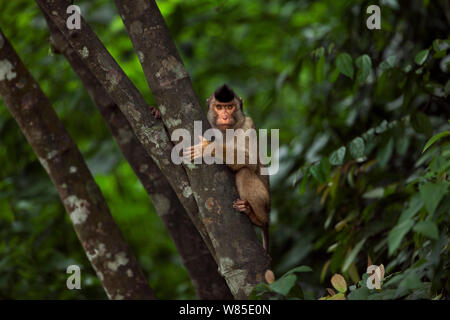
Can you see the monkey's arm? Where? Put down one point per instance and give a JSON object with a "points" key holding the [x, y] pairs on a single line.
{"points": [[195, 151], [239, 153], [227, 151]]}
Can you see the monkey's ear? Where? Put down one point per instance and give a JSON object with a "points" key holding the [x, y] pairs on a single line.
{"points": [[208, 101], [241, 102]]}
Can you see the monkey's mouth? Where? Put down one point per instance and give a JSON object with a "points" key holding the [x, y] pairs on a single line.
{"points": [[225, 123], [223, 127]]}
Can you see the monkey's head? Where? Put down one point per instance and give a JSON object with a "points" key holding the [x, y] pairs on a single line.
{"points": [[225, 109]]}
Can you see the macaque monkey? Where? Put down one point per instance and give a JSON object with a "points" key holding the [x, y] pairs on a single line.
{"points": [[225, 112]]}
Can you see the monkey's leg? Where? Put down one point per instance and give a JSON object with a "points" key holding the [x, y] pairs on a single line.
{"points": [[244, 207], [265, 237], [256, 201], [252, 189]]}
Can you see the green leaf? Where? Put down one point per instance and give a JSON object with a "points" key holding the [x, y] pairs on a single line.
{"points": [[415, 204], [438, 297], [447, 88], [357, 148], [337, 296], [411, 281], [325, 167], [319, 52], [337, 157], [428, 229], [344, 63], [319, 69], [387, 294], [305, 178], [5, 212], [363, 282], [385, 153], [424, 292], [353, 273], [389, 63], [364, 64], [339, 283], [284, 284], [324, 270], [435, 138], [432, 194], [422, 56], [375, 193], [382, 127], [351, 257], [298, 269], [334, 75], [438, 164], [258, 291], [359, 294], [402, 144], [397, 233], [296, 293], [330, 47], [440, 45], [317, 173], [422, 124]]}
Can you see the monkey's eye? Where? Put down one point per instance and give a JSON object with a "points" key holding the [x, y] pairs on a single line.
{"points": [[229, 107], [219, 107]]}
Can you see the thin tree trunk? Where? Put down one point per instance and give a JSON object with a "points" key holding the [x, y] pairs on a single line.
{"points": [[241, 258], [110, 256], [202, 268], [150, 131]]}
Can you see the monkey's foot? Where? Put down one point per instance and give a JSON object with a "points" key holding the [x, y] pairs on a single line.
{"points": [[242, 206], [156, 113]]}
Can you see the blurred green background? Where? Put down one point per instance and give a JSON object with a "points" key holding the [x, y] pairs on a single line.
{"points": [[355, 108]]}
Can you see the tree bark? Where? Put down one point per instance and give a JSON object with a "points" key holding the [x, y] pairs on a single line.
{"points": [[201, 266], [110, 256], [241, 258], [228, 234], [149, 131]]}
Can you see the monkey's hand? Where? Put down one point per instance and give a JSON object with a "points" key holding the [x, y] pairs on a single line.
{"points": [[196, 151], [156, 113]]}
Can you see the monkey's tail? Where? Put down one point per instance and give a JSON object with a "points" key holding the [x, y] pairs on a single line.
{"points": [[265, 237]]}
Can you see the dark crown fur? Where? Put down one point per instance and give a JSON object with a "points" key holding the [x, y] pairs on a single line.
{"points": [[224, 94]]}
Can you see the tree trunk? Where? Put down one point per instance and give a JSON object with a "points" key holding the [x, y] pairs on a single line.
{"points": [[241, 258], [149, 131], [228, 234], [202, 268], [110, 256]]}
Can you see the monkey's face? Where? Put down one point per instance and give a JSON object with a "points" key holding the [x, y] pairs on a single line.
{"points": [[225, 115]]}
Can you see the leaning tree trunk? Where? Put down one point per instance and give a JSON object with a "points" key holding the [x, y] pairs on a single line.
{"points": [[228, 234], [202, 268], [241, 258], [149, 131], [110, 256]]}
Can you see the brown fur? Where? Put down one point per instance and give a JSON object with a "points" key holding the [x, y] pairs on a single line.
{"points": [[251, 185]]}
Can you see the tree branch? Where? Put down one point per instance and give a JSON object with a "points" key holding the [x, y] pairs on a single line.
{"points": [[201, 266], [110, 256], [241, 258], [150, 131]]}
